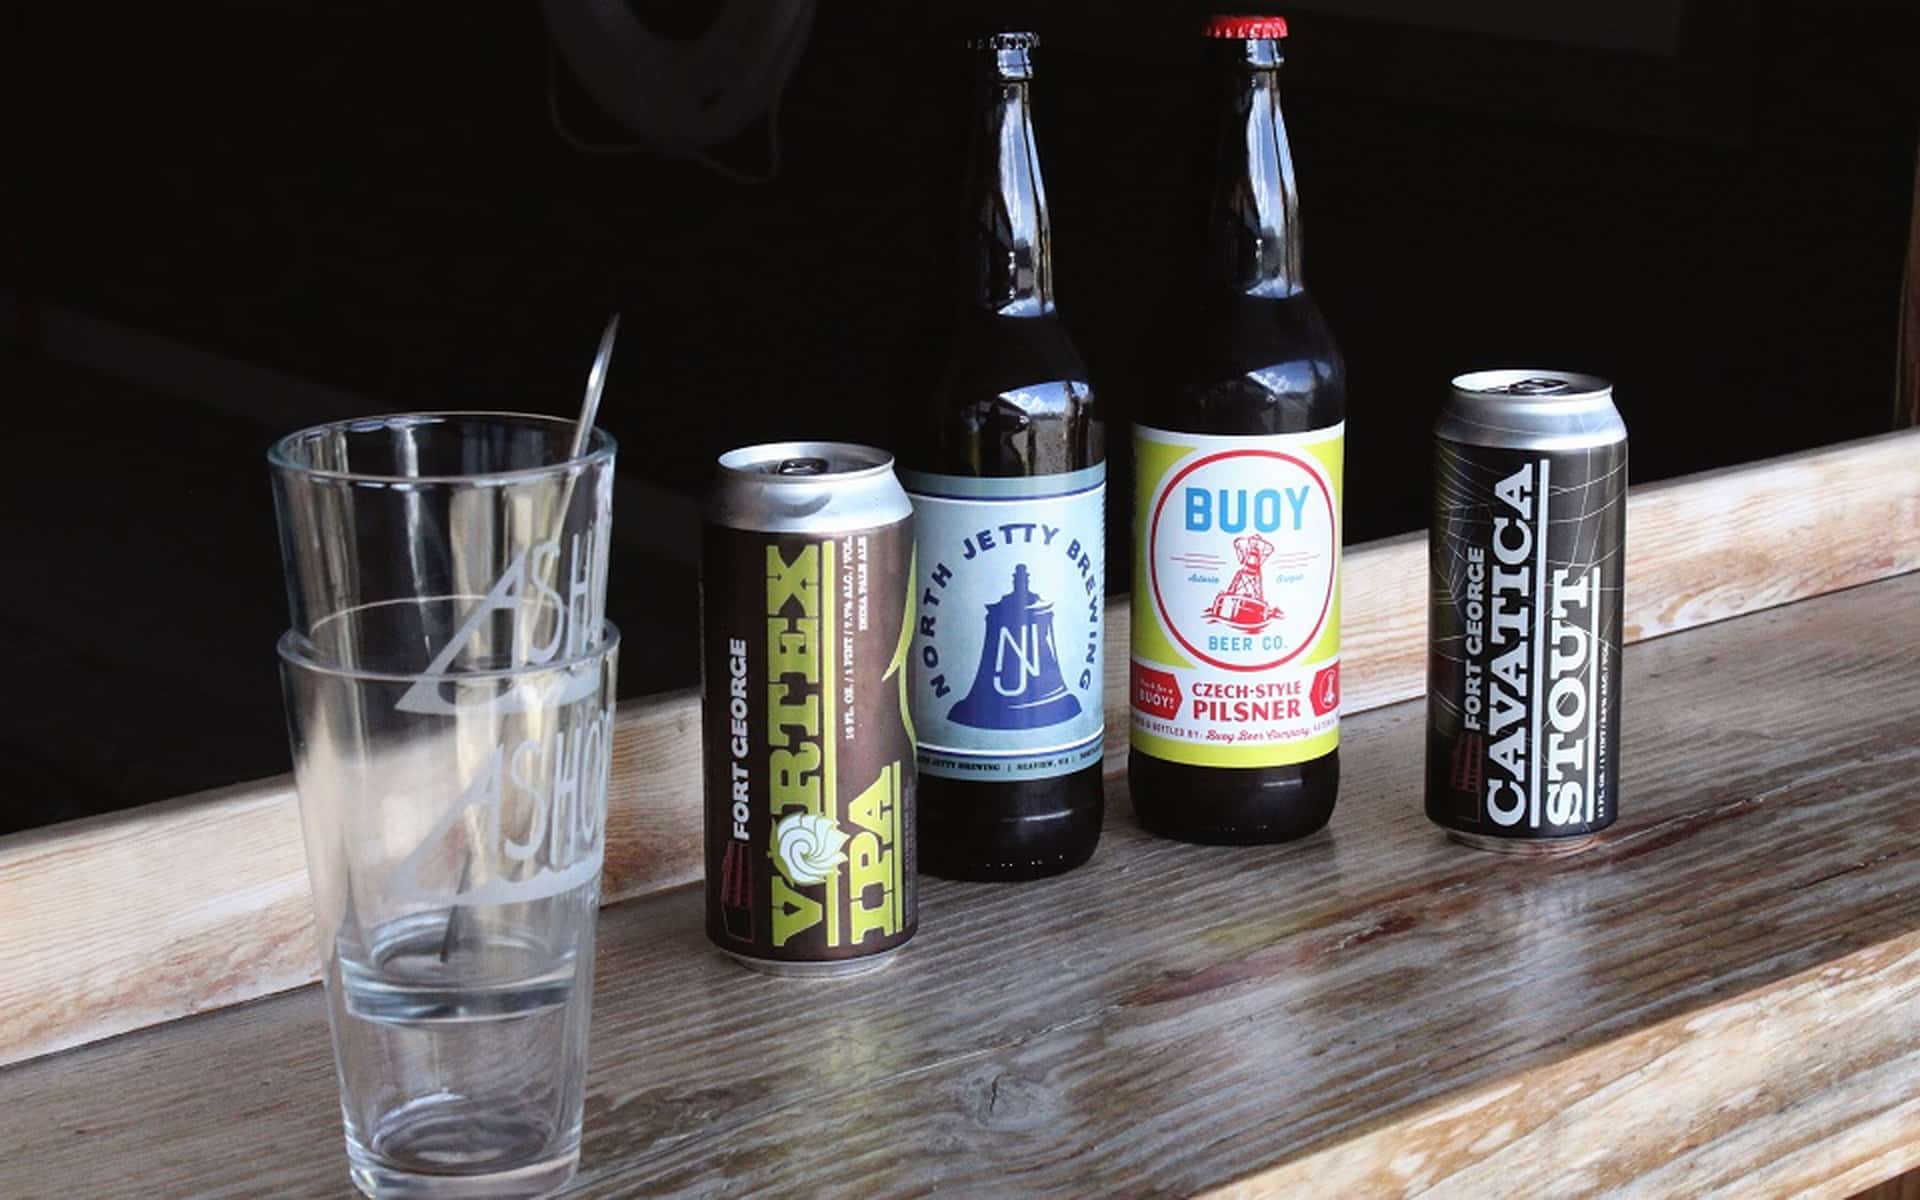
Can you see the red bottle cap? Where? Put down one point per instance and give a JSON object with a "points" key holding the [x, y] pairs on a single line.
{"points": [[1240, 27]]}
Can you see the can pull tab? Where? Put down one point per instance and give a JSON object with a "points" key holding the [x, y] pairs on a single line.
{"points": [[801, 466], [1539, 385]]}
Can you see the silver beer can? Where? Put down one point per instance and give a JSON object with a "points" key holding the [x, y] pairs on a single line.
{"points": [[806, 613], [1526, 553]]}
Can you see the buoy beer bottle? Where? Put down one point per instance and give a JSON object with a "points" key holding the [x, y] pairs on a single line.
{"points": [[1235, 684], [1007, 472]]}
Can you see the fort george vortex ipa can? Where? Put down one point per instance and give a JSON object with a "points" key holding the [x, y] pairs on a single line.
{"points": [[806, 611], [1523, 657]]}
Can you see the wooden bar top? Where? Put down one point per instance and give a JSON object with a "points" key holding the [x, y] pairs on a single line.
{"points": [[1723, 995]]}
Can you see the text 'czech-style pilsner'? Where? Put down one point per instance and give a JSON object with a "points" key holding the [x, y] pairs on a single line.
{"points": [[1236, 596], [1008, 478]]}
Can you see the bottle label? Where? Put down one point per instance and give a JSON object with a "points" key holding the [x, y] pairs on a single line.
{"points": [[1005, 679], [1236, 599]]}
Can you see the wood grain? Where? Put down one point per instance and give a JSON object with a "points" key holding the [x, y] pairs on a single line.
{"points": [[1906, 1187], [200, 902], [120, 921], [1718, 1000], [1694, 1106]]}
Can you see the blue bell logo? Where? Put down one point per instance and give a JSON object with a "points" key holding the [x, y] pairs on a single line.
{"points": [[1018, 684]]}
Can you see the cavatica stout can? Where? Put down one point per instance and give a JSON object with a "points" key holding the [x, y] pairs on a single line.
{"points": [[1523, 662], [806, 613]]}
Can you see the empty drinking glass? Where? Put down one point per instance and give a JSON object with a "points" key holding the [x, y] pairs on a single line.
{"points": [[449, 682]]}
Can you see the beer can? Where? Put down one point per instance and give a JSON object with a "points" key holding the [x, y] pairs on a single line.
{"points": [[1523, 659], [806, 613]]}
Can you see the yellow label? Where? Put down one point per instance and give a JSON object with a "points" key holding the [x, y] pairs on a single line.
{"points": [[1236, 599]]}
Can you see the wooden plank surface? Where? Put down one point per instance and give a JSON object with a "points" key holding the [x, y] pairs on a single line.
{"points": [[1906, 1187], [121, 921], [166, 939], [1720, 999], [126, 920]]}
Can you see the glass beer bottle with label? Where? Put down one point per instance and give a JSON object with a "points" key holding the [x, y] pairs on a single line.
{"points": [[1007, 473], [1235, 681]]}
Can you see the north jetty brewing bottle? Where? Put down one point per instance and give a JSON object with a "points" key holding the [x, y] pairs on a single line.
{"points": [[1236, 612], [1007, 473]]}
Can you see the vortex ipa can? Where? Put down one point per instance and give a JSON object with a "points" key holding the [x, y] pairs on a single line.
{"points": [[1523, 660], [806, 612]]}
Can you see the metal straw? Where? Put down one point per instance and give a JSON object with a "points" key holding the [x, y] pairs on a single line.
{"points": [[582, 433], [596, 383]]}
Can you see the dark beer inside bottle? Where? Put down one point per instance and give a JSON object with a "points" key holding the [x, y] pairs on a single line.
{"points": [[1253, 356], [1013, 400]]}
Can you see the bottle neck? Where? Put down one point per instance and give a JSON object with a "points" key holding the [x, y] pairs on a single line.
{"points": [[1006, 202], [1254, 227]]}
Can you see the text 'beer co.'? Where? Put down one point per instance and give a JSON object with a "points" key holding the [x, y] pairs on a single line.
{"points": [[1006, 466], [1237, 467], [1523, 667], [806, 613]]}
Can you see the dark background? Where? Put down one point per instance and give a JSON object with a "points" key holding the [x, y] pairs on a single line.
{"points": [[224, 221]]}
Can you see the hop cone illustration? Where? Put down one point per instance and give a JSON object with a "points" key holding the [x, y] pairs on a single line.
{"points": [[806, 848]]}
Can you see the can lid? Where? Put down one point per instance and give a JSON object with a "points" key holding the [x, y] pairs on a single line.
{"points": [[811, 488], [1244, 27], [1009, 40], [1534, 410], [805, 462], [1521, 385]]}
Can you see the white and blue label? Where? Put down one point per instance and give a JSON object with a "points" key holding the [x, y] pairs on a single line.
{"points": [[1007, 647]]}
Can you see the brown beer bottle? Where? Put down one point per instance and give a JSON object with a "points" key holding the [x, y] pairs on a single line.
{"points": [[1007, 472], [1235, 685]]}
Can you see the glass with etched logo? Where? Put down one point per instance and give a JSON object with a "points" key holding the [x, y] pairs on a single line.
{"points": [[449, 681]]}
